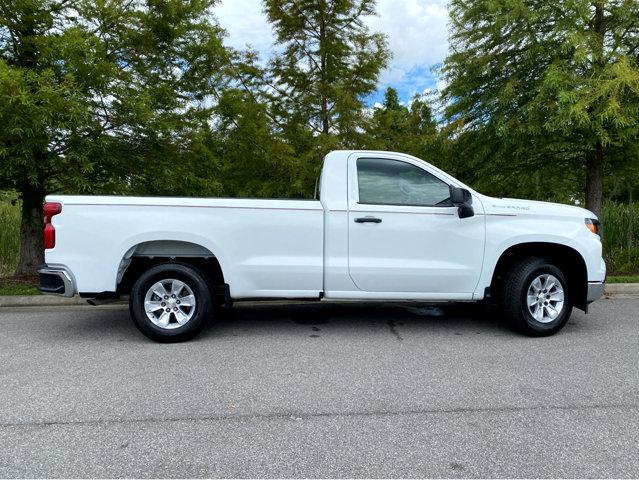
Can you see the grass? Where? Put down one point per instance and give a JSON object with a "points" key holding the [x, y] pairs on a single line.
{"points": [[620, 242], [18, 286], [622, 279], [621, 237], [9, 235]]}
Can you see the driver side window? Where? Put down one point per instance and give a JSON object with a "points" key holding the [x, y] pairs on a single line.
{"points": [[393, 182]]}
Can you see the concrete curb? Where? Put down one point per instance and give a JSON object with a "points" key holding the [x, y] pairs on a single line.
{"points": [[622, 289], [39, 301], [612, 289]]}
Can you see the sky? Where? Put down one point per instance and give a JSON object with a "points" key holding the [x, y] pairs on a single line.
{"points": [[416, 32]]}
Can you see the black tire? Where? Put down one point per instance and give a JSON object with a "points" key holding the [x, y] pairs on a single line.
{"points": [[203, 309], [514, 297]]}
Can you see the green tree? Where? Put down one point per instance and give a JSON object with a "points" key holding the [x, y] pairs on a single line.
{"points": [[548, 89], [102, 96], [329, 63], [410, 129], [256, 162]]}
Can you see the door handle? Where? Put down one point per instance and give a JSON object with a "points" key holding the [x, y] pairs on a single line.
{"points": [[368, 220]]}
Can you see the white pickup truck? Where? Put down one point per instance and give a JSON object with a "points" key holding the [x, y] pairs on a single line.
{"points": [[386, 226]]}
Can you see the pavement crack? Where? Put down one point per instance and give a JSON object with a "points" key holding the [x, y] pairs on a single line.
{"points": [[310, 416]]}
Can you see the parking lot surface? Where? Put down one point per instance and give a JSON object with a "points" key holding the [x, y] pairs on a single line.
{"points": [[316, 390]]}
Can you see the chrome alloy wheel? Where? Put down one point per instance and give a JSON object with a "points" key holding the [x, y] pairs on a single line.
{"points": [[545, 298], [169, 303]]}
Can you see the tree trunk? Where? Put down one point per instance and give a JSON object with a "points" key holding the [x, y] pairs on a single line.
{"points": [[594, 180], [322, 87], [31, 243], [594, 162]]}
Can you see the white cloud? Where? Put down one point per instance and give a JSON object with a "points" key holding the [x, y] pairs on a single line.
{"points": [[416, 30], [417, 35], [246, 24]]}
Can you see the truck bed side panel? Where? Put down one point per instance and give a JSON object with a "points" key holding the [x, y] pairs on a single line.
{"points": [[265, 247]]}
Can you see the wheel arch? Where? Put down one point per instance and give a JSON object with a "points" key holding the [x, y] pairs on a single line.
{"points": [[145, 254], [566, 258]]}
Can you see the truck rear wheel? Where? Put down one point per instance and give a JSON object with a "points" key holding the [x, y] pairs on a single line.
{"points": [[535, 297], [171, 302]]}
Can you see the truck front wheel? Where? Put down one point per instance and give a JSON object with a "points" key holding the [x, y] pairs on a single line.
{"points": [[171, 302], [535, 297]]}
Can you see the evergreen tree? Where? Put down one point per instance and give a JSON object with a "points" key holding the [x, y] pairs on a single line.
{"points": [[545, 87], [101, 96], [329, 63], [410, 129]]}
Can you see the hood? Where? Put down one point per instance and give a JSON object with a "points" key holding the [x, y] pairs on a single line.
{"points": [[515, 206]]}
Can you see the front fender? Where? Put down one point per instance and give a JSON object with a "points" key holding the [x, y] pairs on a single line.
{"points": [[506, 232]]}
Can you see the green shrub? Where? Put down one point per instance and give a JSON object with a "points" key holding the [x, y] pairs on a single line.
{"points": [[9, 235], [621, 237]]}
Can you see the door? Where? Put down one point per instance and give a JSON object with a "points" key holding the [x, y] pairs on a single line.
{"points": [[404, 233]]}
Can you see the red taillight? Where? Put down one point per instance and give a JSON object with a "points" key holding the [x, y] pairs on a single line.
{"points": [[50, 209]]}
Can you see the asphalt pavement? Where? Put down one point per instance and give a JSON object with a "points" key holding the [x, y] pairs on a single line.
{"points": [[320, 390]]}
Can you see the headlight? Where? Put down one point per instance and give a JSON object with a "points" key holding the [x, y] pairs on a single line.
{"points": [[593, 225]]}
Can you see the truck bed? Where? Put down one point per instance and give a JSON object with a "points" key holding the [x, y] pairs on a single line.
{"points": [[269, 246]]}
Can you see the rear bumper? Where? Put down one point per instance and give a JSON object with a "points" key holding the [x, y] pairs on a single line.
{"points": [[595, 291], [56, 280]]}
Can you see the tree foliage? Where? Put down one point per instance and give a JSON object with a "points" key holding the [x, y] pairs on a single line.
{"points": [[329, 62], [102, 96], [410, 129], [545, 87]]}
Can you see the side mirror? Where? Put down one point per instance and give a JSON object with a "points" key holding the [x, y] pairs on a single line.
{"points": [[460, 197]]}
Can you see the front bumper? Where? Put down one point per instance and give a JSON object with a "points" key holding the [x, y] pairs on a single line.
{"points": [[595, 291], [56, 280]]}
